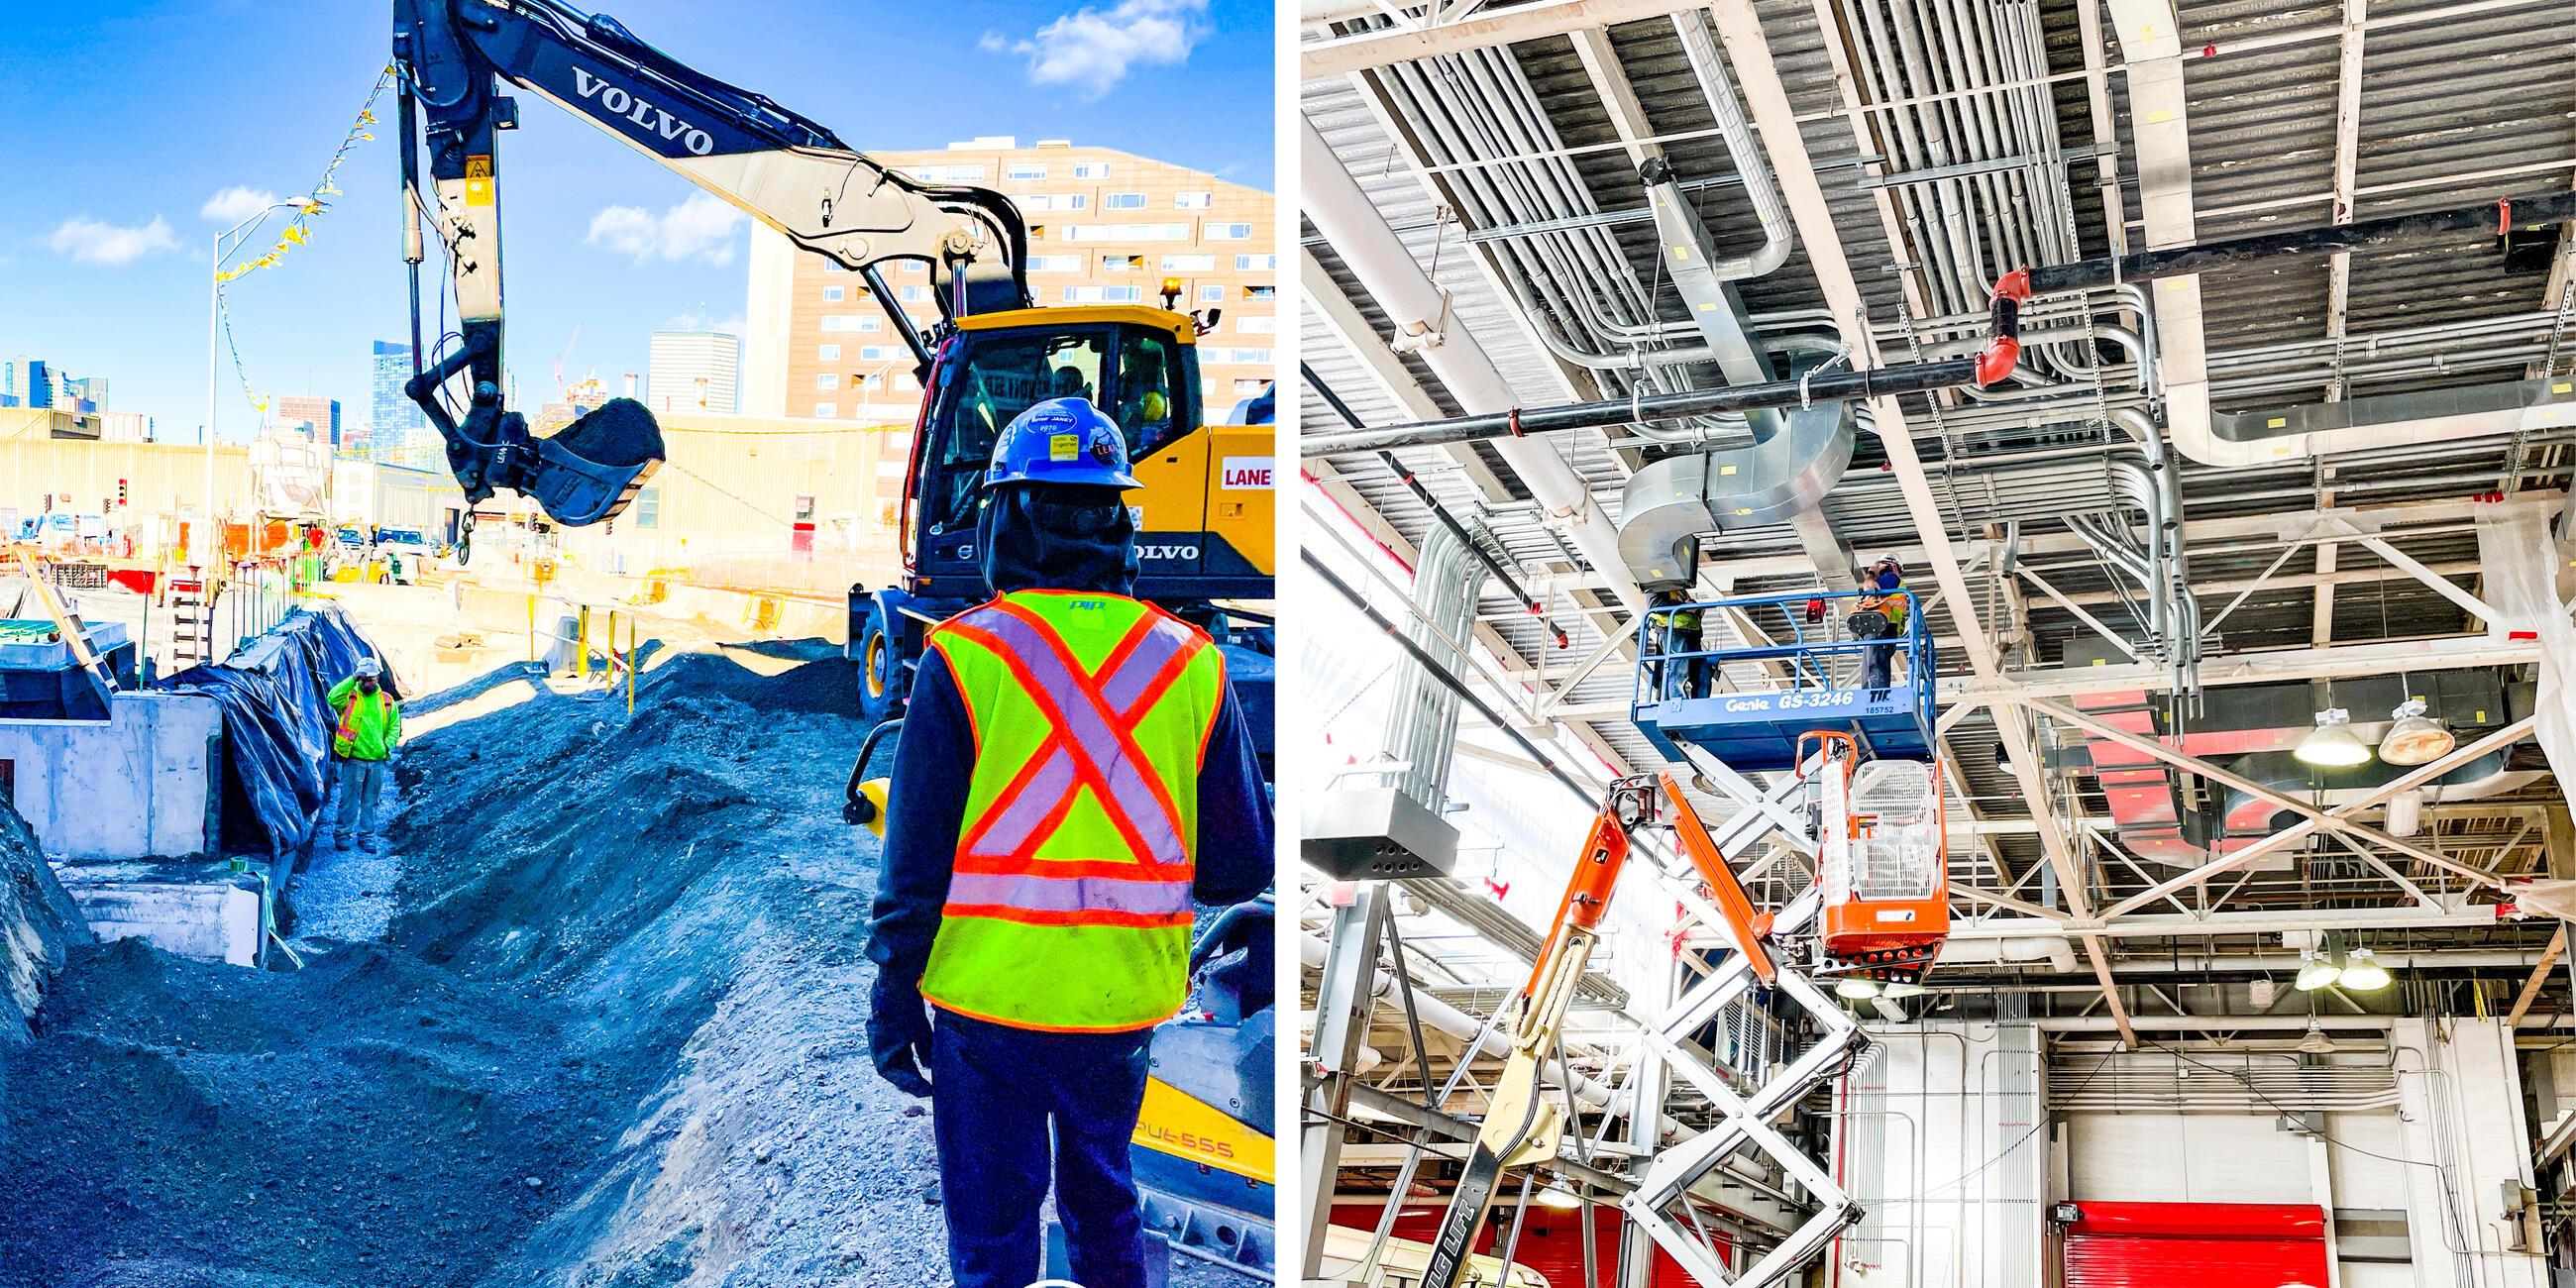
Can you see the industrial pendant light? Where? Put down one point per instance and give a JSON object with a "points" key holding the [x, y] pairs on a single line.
{"points": [[2332, 744], [1856, 988], [2316, 1042], [2315, 972], [2362, 971], [1901, 989], [2416, 739]]}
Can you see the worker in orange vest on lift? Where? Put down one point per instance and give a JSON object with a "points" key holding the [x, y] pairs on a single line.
{"points": [[370, 723], [1074, 771]]}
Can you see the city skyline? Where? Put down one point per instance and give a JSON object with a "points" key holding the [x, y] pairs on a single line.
{"points": [[598, 238]]}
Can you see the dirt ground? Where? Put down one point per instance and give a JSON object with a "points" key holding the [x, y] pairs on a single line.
{"points": [[612, 1034]]}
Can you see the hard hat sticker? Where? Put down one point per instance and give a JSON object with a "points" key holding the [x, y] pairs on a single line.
{"points": [[1064, 447]]}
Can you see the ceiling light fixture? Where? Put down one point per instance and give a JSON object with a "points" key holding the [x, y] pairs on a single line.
{"points": [[1901, 988], [1856, 988], [2332, 744], [2316, 1042], [2315, 972], [2362, 971], [2416, 739]]}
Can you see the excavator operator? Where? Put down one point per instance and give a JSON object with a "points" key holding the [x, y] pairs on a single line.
{"points": [[1074, 773]]}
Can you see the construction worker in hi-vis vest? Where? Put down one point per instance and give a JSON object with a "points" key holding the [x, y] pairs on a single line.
{"points": [[1073, 773]]}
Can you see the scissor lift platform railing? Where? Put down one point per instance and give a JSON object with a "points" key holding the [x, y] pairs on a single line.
{"points": [[1688, 696]]}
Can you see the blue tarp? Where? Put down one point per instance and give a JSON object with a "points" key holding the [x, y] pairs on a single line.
{"points": [[277, 732]]}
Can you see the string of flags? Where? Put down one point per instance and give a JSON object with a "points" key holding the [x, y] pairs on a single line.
{"points": [[299, 230]]}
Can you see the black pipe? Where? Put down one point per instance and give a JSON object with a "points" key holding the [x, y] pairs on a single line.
{"points": [[2491, 217], [1438, 511], [1446, 678], [1839, 386]]}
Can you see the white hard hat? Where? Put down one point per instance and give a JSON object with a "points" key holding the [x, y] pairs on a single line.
{"points": [[370, 666]]}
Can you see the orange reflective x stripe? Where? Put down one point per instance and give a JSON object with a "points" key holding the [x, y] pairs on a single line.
{"points": [[1090, 742]]}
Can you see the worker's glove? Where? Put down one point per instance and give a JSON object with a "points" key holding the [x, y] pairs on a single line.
{"points": [[899, 1035]]}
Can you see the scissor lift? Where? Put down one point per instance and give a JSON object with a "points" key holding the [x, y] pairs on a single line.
{"points": [[1793, 704]]}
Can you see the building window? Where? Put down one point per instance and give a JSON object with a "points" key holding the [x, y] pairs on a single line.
{"points": [[828, 380], [1241, 357], [1090, 169], [1055, 201], [871, 324], [1229, 232], [839, 322], [1258, 292], [1023, 170], [1122, 263], [1257, 326], [1123, 201], [1055, 263], [1127, 232], [868, 382], [828, 353], [916, 292], [1104, 294], [648, 508], [1189, 263], [1256, 263], [878, 352], [912, 266], [1248, 388], [950, 174], [1211, 295], [826, 411], [832, 294], [1192, 200]]}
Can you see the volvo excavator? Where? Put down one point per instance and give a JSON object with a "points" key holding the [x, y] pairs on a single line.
{"points": [[1207, 503]]}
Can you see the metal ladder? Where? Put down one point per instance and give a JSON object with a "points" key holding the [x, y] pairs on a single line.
{"points": [[192, 624]]}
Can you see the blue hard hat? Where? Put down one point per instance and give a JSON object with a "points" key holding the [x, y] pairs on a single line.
{"points": [[1061, 440]]}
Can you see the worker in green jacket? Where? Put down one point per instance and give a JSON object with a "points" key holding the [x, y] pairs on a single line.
{"points": [[369, 724]]}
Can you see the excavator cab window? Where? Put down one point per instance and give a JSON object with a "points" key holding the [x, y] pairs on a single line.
{"points": [[1126, 371]]}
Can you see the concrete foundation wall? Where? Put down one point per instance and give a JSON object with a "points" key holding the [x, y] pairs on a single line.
{"points": [[141, 784], [210, 922]]}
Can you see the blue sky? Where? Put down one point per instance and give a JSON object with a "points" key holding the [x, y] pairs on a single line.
{"points": [[122, 122]]}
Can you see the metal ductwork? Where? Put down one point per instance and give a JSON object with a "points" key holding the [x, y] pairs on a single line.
{"points": [[1680, 497], [2400, 420], [2250, 815]]}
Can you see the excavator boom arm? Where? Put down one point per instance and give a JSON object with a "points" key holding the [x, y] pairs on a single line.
{"points": [[782, 169]]}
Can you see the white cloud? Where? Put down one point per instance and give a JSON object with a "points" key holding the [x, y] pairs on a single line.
{"points": [[700, 228], [235, 204], [1092, 50], [92, 242]]}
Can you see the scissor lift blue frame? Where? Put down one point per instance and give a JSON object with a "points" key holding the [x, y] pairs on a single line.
{"points": [[1757, 729]]}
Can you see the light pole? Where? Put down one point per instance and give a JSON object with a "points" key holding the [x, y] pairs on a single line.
{"points": [[209, 545]]}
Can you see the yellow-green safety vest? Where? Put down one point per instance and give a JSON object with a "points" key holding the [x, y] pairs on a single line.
{"points": [[1069, 905]]}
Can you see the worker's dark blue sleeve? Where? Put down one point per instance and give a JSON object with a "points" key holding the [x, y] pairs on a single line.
{"points": [[934, 759], [1234, 854]]}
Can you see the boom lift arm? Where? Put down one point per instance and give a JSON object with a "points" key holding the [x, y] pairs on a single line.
{"points": [[782, 169]]}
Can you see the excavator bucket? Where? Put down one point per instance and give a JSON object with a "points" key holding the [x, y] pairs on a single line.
{"points": [[587, 472]]}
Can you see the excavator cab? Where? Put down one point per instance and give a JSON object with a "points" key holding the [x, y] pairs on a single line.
{"points": [[1138, 364]]}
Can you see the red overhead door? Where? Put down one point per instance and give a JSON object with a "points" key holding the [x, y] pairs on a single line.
{"points": [[2196, 1245]]}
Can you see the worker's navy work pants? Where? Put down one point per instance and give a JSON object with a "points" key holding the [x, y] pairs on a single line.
{"points": [[995, 1093], [1876, 663], [362, 785]]}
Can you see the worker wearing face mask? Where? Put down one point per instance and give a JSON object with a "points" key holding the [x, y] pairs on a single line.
{"points": [[369, 724]]}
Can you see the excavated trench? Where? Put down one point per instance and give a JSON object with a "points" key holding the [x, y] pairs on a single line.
{"points": [[614, 1037]]}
